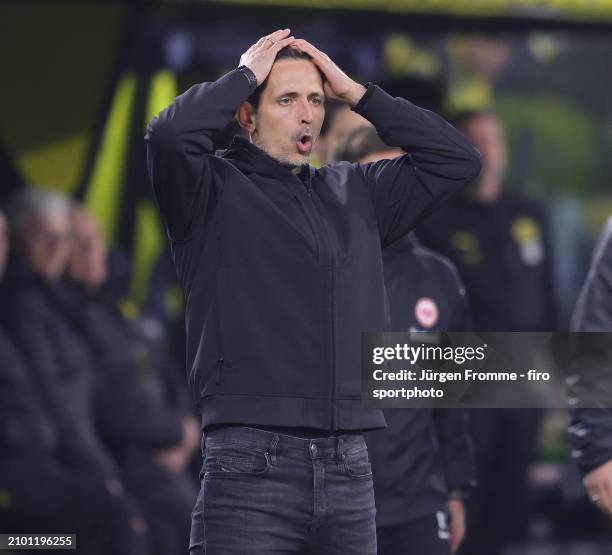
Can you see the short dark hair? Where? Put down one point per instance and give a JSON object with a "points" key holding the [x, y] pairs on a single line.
{"points": [[286, 53], [360, 142]]}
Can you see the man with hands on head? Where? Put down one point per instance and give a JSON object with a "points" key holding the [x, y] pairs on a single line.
{"points": [[281, 269]]}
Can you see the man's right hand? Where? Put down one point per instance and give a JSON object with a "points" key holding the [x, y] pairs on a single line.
{"points": [[260, 57]]}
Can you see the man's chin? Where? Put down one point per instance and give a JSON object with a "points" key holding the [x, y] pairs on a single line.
{"points": [[302, 160], [288, 160], [294, 162]]}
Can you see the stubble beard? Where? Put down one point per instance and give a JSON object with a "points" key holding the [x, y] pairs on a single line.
{"points": [[291, 162]]}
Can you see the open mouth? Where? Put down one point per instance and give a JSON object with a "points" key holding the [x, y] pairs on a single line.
{"points": [[304, 143]]}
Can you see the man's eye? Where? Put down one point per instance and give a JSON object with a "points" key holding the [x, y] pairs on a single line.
{"points": [[316, 101], [285, 101]]}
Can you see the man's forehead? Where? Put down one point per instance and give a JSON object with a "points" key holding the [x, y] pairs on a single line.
{"points": [[300, 76]]}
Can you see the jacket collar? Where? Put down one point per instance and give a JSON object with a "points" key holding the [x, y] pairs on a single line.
{"points": [[407, 243], [250, 159]]}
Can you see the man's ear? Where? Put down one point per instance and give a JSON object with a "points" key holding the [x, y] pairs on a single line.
{"points": [[246, 117]]}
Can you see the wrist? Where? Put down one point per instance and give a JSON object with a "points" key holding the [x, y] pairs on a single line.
{"points": [[249, 76], [355, 94]]}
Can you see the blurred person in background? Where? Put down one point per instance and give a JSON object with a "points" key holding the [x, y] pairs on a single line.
{"points": [[53, 475], [262, 241], [423, 461], [499, 242], [339, 121], [151, 437]]}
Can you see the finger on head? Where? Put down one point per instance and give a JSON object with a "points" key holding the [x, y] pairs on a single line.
{"points": [[269, 36], [271, 40], [259, 42], [317, 51], [308, 48], [277, 35], [282, 43], [299, 44], [305, 44]]}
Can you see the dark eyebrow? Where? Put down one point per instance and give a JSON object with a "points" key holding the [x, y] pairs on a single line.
{"points": [[287, 94], [295, 95], [317, 94]]}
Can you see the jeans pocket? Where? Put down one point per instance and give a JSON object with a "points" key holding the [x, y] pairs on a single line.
{"points": [[235, 460], [357, 464]]}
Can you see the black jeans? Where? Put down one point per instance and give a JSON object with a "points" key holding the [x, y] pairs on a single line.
{"points": [[264, 492]]}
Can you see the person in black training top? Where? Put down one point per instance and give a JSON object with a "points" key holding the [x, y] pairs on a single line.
{"points": [[590, 429], [423, 461], [281, 269], [499, 242]]}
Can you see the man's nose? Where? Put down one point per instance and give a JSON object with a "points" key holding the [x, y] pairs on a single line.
{"points": [[306, 113]]}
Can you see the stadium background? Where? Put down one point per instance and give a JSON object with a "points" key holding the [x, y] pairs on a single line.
{"points": [[80, 79]]}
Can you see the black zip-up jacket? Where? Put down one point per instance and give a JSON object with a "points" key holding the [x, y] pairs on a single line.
{"points": [[281, 273], [590, 429], [423, 454]]}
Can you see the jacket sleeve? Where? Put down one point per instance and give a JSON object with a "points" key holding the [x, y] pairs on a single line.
{"points": [[590, 378], [182, 167], [456, 448], [439, 163]]}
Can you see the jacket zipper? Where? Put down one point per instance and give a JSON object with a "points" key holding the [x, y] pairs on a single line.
{"points": [[333, 351], [323, 246]]}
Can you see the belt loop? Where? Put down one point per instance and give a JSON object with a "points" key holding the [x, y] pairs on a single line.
{"points": [[273, 449], [340, 452]]}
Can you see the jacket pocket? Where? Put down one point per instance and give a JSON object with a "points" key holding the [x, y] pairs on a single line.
{"points": [[225, 333], [231, 460], [357, 464]]}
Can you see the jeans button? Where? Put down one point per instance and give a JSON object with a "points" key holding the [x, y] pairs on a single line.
{"points": [[313, 448]]}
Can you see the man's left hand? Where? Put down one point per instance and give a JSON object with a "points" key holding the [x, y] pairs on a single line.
{"points": [[337, 84], [457, 523], [598, 484]]}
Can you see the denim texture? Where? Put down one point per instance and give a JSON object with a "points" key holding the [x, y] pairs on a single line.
{"points": [[264, 492]]}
